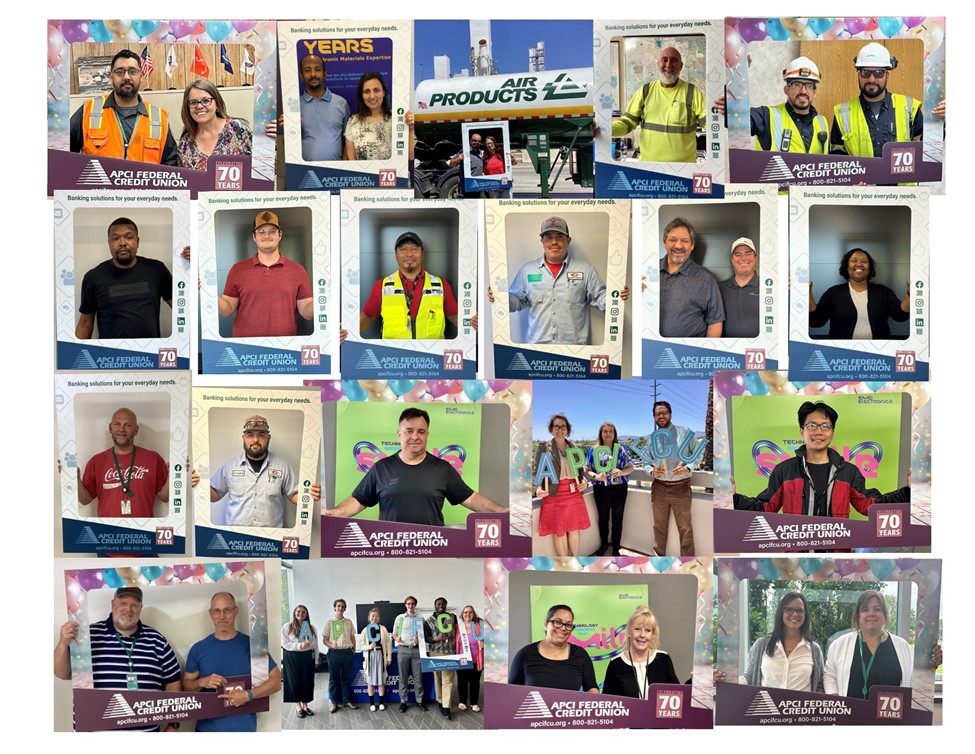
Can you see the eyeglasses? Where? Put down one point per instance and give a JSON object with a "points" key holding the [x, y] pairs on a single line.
{"points": [[267, 231], [812, 426], [562, 624], [203, 101], [875, 73], [120, 72], [795, 611], [809, 86], [559, 426]]}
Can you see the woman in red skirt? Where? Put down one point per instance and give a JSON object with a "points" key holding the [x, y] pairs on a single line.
{"points": [[564, 512]]}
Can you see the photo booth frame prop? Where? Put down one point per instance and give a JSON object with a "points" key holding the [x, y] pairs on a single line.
{"points": [[499, 182], [671, 706], [75, 231], [353, 47], [219, 539], [699, 358], [118, 709], [809, 217], [104, 393], [298, 354], [739, 704], [237, 56], [371, 223], [887, 527], [587, 218], [705, 178]]}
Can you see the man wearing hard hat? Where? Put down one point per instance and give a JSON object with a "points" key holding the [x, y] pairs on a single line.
{"points": [[863, 125], [794, 125]]}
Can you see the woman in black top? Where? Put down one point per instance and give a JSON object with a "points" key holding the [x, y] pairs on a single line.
{"points": [[554, 663], [642, 663]]}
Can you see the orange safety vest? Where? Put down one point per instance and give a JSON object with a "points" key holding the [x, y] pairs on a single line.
{"points": [[103, 136]]}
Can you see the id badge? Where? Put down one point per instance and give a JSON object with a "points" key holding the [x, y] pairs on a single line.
{"points": [[126, 507], [573, 487], [131, 681]]}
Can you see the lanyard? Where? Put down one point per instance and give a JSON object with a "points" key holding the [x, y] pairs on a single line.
{"points": [[636, 676], [126, 483], [865, 667], [128, 650]]}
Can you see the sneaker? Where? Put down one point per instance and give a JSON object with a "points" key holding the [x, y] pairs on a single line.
{"points": [[402, 707], [372, 707], [382, 707]]}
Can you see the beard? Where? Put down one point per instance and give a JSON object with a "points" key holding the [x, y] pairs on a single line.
{"points": [[255, 455], [668, 79]]}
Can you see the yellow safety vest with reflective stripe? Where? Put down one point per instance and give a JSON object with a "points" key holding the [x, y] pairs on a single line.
{"points": [[103, 136], [781, 124], [668, 124], [855, 131], [430, 321]]}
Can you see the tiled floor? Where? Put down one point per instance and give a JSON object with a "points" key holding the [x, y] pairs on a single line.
{"points": [[363, 719]]}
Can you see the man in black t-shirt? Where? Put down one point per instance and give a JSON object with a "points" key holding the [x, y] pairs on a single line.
{"points": [[410, 487], [123, 293]]}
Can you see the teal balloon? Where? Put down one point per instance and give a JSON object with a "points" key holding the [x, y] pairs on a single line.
{"points": [[543, 564], [662, 564], [112, 579], [882, 568], [218, 30], [776, 30], [401, 387], [875, 385], [586, 560], [810, 565], [475, 389], [145, 28], [755, 384], [99, 32], [353, 390], [889, 25], [767, 568], [152, 572], [215, 570], [820, 25], [799, 385]]}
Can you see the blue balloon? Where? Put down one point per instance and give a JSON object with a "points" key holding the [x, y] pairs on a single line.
{"points": [[767, 568], [662, 564], [112, 579], [755, 384], [475, 389], [215, 570], [776, 30], [586, 560], [820, 25], [543, 564], [353, 390], [811, 565], [145, 28], [218, 30], [152, 572], [99, 32], [401, 387], [889, 26], [875, 385], [882, 568]]}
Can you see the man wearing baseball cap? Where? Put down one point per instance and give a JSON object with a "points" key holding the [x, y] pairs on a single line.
{"points": [[125, 653], [740, 293], [257, 482], [265, 290], [557, 289], [412, 303], [861, 126], [794, 125]]}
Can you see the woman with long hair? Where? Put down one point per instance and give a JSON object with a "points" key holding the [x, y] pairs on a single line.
{"points": [[787, 658], [369, 132], [299, 645], [564, 514], [469, 679], [642, 663], [377, 653], [609, 487], [207, 129]]}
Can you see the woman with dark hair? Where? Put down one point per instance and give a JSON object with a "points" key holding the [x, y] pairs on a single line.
{"points": [[369, 132], [858, 309], [642, 663], [377, 654], [206, 128], [299, 645], [609, 487], [469, 679], [494, 165], [563, 513], [787, 658], [554, 663]]}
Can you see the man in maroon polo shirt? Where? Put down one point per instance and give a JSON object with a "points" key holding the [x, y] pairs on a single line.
{"points": [[266, 289]]}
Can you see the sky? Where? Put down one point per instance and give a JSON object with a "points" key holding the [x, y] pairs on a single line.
{"points": [[568, 44], [628, 404]]}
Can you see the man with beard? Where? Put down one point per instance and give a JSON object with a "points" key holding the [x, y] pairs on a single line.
{"points": [[215, 662], [125, 652], [323, 114], [793, 126], [257, 482], [121, 124], [740, 293], [412, 303], [862, 126], [671, 488], [125, 480], [122, 294], [668, 112], [476, 158]]}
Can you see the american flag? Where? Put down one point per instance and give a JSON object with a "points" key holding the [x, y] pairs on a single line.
{"points": [[146, 61]]}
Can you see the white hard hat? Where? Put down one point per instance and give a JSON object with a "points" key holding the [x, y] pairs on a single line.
{"points": [[875, 55], [802, 68]]}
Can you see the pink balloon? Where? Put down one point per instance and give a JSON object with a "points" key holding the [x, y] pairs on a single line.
{"points": [[493, 576], [498, 385], [75, 594], [857, 24], [241, 26], [456, 387], [181, 28], [438, 387], [911, 21], [55, 46], [236, 566], [331, 390], [75, 31], [734, 47]]}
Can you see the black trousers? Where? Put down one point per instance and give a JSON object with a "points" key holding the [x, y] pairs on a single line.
{"points": [[610, 499]]}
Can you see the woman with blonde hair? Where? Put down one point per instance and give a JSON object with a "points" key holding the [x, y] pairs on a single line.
{"points": [[642, 663], [377, 653]]}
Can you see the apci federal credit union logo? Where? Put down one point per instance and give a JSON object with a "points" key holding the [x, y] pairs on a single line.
{"points": [[759, 530], [802, 710], [534, 707], [119, 707]]}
